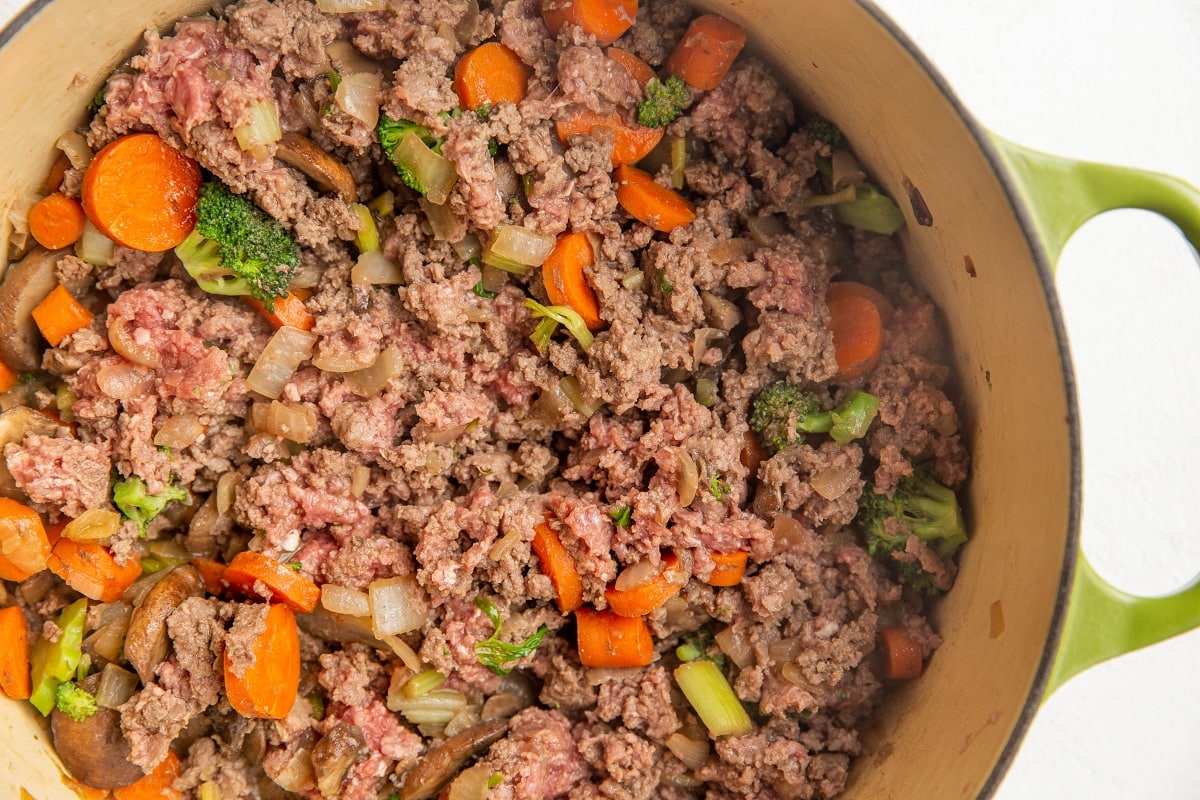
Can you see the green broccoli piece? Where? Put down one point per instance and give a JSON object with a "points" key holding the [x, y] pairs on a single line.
{"points": [[824, 131], [391, 131], [665, 100], [919, 506], [137, 504], [76, 703], [236, 248], [783, 412]]}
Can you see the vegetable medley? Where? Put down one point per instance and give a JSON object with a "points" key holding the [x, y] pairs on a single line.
{"points": [[519, 399]]}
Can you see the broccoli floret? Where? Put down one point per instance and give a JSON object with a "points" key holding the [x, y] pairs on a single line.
{"points": [[136, 503], [919, 506], [782, 412], [76, 703], [236, 248], [824, 131], [665, 100], [391, 132]]}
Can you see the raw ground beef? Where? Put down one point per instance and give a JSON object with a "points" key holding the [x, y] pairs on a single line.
{"points": [[435, 437]]}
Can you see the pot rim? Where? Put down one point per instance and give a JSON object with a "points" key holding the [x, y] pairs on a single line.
{"points": [[1043, 264]]}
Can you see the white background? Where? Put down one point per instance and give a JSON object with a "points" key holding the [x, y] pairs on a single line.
{"points": [[1120, 82]]}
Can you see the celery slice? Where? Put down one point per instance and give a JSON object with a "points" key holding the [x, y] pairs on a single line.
{"points": [[55, 662], [705, 687]]}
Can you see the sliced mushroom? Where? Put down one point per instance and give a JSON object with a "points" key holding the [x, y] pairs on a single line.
{"points": [[441, 763], [25, 285], [341, 628], [333, 756], [94, 751], [308, 157], [15, 424], [146, 641]]}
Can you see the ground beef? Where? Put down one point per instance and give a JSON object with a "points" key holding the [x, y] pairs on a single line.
{"points": [[538, 758], [61, 474]]}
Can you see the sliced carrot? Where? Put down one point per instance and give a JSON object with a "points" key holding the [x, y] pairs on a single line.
{"points": [[656, 205], [490, 74], [631, 142], [248, 570], [289, 310], [91, 570], [24, 548], [901, 654], [857, 333], [158, 785], [558, 565], [8, 378], [882, 304], [141, 192], [706, 51], [59, 315], [267, 688], [58, 171], [56, 221], [728, 568], [646, 597], [14, 655], [604, 19], [564, 278], [212, 573], [609, 640], [639, 70], [55, 529]]}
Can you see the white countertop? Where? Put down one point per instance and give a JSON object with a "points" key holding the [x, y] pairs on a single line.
{"points": [[1110, 81]]}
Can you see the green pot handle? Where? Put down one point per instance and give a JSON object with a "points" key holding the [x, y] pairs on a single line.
{"points": [[1062, 194]]}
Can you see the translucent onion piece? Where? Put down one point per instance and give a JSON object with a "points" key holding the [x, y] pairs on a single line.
{"points": [[720, 312], [288, 349], [730, 250], [435, 173], [834, 482], [692, 752], [351, 6], [398, 605], [633, 280], [227, 491], [571, 388], [445, 224], [468, 247], [736, 646], [93, 246], [464, 720], [138, 590], [433, 708], [502, 706], [359, 480], [93, 525], [179, 431], [263, 130], [504, 544], [295, 422], [784, 650], [519, 244], [374, 268], [465, 30], [359, 95], [340, 360], [348, 59], [126, 343], [124, 381], [169, 552], [688, 479], [116, 686], [297, 774], [637, 574], [75, 148], [372, 380], [471, 783], [344, 600]]}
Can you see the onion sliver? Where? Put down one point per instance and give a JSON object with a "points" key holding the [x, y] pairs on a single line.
{"points": [[288, 349], [93, 525], [515, 244], [351, 6], [116, 686], [179, 431], [398, 605], [123, 381], [359, 95], [126, 343], [344, 600], [374, 379], [373, 268], [295, 422]]}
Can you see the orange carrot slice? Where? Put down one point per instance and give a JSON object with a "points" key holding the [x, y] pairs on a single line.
{"points": [[706, 51], [56, 221], [882, 304], [656, 205], [857, 333], [249, 569], [158, 785], [631, 142], [901, 654], [91, 570], [490, 74], [24, 548], [8, 378], [644, 598], [289, 310], [564, 278], [639, 70], [266, 689], [558, 565], [14, 655], [609, 640], [59, 315], [607, 20], [728, 568]]}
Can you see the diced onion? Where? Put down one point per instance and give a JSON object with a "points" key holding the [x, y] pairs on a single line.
{"points": [[764, 228], [705, 687], [402, 650], [517, 245], [351, 6], [348, 59], [75, 148], [359, 95], [736, 646], [295, 422], [637, 574], [344, 600], [93, 246], [288, 349], [263, 130], [720, 312], [227, 491], [432, 171], [502, 706], [465, 29], [727, 251], [179, 431], [341, 360], [633, 280], [692, 752], [116, 686], [372, 380], [574, 392], [783, 650], [688, 479], [464, 720], [359, 479], [834, 482], [468, 247], [297, 774], [169, 552], [432, 708], [123, 381], [374, 268], [471, 784], [125, 343], [93, 525], [505, 543], [398, 605], [445, 224]]}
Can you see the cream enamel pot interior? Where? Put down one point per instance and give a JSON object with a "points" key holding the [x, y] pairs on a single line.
{"points": [[985, 222]]}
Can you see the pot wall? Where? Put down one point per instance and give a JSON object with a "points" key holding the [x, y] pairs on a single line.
{"points": [[941, 736]]}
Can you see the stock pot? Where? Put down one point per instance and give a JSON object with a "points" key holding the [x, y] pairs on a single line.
{"points": [[986, 222]]}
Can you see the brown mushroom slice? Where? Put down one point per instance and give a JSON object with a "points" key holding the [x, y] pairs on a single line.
{"points": [[94, 750], [326, 171], [146, 641], [15, 424], [333, 756], [443, 762], [26, 284]]}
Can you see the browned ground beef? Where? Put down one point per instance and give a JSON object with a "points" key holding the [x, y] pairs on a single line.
{"points": [[446, 471]]}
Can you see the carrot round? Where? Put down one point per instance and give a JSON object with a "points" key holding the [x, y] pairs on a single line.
{"points": [[706, 51], [59, 315], [639, 70], [289, 310], [901, 654], [91, 570], [609, 640], [882, 304], [564, 278], [728, 568], [857, 333], [24, 548], [8, 378], [248, 570], [490, 74], [643, 599], [558, 565], [267, 688], [141, 192], [56, 221], [631, 142], [212, 573], [656, 205], [158, 785], [14, 655], [607, 20]]}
